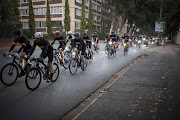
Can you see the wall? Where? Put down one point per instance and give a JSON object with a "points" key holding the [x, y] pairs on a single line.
{"points": [[176, 38]]}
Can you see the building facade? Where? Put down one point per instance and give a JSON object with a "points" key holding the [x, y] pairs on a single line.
{"points": [[57, 9]]}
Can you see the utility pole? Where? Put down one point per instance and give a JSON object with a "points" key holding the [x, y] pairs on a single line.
{"points": [[160, 18]]}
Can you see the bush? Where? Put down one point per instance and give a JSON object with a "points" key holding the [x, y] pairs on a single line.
{"points": [[101, 36], [26, 33]]}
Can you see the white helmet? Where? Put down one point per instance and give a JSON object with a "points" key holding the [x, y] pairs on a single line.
{"points": [[38, 35], [69, 32]]}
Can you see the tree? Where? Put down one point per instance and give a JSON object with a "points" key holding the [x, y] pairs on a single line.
{"points": [[32, 25], [90, 25], [48, 20], [9, 18], [67, 18], [83, 19]]}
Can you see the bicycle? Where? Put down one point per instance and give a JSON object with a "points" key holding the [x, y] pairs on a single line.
{"points": [[12, 70], [76, 62], [125, 49], [58, 59], [96, 47], [33, 76], [89, 55], [111, 50]]}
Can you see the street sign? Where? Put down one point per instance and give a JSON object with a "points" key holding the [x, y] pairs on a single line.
{"points": [[159, 26]]}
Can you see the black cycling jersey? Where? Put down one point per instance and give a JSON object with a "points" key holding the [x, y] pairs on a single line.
{"points": [[79, 44], [95, 37], [47, 49], [25, 44], [61, 42], [113, 37], [87, 41]]}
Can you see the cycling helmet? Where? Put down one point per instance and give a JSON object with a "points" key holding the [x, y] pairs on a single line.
{"points": [[57, 32], [76, 34], [112, 31], [38, 35], [17, 32], [95, 33], [85, 33], [69, 33]]}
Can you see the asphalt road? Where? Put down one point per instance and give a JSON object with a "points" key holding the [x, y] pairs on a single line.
{"points": [[51, 101]]}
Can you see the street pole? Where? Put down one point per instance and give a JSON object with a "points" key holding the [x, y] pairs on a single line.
{"points": [[159, 41]]}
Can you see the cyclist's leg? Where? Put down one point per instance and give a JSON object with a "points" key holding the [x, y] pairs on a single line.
{"points": [[50, 61], [82, 55], [61, 53]]}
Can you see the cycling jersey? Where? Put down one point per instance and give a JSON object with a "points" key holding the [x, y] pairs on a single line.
{"points": [[25, 45], [61, 42], [70, 38], [79, 44], [95, 37], [113, 37], [47, 49], [87, 41]]}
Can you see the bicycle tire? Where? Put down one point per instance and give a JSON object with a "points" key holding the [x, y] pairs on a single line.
{"points": [[74, 63], [37, 71], [55, 71], [2, 73]]}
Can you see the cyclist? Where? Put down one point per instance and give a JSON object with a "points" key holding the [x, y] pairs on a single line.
{"points": [[25, 48], [113, 37], [95, 39], [69, 38], [47, 50], [62, 44], [79, 45], [87, 41]]}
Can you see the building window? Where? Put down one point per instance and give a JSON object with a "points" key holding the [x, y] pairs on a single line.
{"points": [[98, 28], [98, 8], [25, 12], [25, 25], [25, 1], [98, 18], [77, 24], [39, 11], [94, 6], [95, 17], [78, 12], [79, 1], [56, 23], [41, 24], [86, 3], [56, 10], [37, 0]]}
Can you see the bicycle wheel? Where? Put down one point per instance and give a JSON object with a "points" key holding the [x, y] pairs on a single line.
{"points": [[33, 78], [56, 72], [84, 66], [98, 49], [109, 53], [114, 52], [66, 60], [9, 74], [106, 50], [90, 56], [73, 66]]}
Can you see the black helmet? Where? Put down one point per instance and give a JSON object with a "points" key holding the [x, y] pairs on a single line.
{"points": [[112, 31], [85, 33], [76, 34], [17, 32]]}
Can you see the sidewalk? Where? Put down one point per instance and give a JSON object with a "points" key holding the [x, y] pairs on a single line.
{"points": [[149, 90]]}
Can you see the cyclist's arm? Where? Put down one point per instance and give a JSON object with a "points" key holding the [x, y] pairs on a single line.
{"points": [[32, 50], [43, 54], [53, 42], [12, 47]]}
